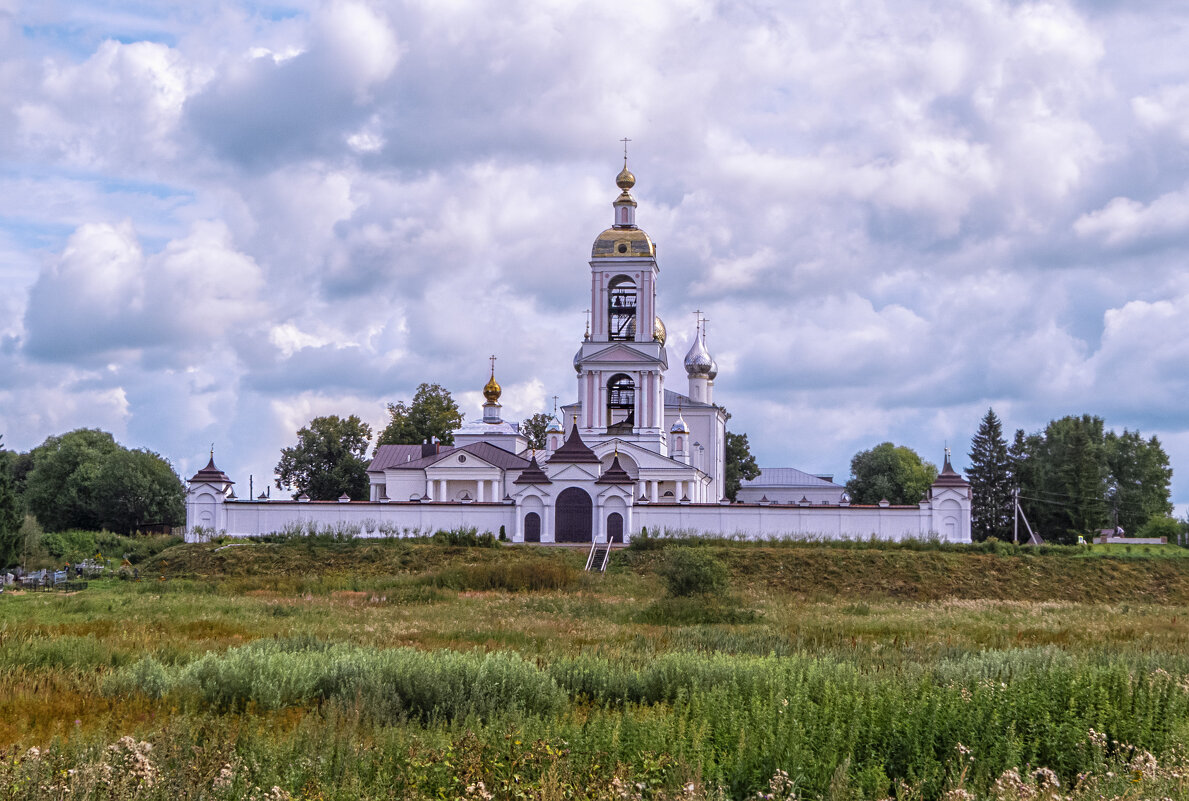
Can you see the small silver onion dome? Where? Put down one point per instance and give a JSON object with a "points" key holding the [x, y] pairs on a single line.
{"points": [[698, 361], [679, 426], [578, 361], [713, 374]]}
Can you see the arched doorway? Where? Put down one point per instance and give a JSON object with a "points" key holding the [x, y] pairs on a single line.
{"points": [[574, 522], [615, 527], [532, 527]]}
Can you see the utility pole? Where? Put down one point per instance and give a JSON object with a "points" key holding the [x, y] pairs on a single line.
{"points": [[1015, 516]]}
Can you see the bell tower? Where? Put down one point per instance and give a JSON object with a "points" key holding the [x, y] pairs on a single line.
{"points": [[622, 360]]}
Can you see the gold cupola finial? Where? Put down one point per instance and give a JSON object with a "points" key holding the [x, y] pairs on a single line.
{"points": [[625, 180], [492, 389]]}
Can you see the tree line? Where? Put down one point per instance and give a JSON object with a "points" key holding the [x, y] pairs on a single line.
{"points": [[84, 479], [1072, 478]]}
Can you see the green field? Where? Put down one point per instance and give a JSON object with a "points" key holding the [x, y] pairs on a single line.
{"points": [[395, 669]]}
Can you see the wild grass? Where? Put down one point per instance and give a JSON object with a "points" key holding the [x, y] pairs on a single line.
{"points": [[357, 669], [391, 684]]}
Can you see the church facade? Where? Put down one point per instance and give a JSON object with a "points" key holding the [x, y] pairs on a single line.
{"points": [[628, 454]]}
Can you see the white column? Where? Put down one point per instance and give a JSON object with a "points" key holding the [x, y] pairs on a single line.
{"points": [[654, 490], [479, 491], [441, 493], [429, 490]]}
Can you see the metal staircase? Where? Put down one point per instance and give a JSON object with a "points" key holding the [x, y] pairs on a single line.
{"points": [[600, 555]]}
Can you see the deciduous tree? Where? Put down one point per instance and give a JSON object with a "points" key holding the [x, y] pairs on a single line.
{"points": [[138, 488], [10, 516], [893, 472], [1140, 476], [328, 460], [60, 489], [534, 430], [1074, 476], [85, 479], [432, 414], [990, 481]]}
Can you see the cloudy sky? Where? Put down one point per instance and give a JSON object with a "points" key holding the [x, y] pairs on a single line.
{"points": [[220, 219]]}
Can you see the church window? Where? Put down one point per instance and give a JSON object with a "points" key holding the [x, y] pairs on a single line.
{"points": [[621, 310], [621, 404]]}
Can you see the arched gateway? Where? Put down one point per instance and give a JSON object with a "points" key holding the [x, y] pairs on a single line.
{"points": [[574, 516]]}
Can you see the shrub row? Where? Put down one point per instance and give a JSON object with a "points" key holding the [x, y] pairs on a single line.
{"points": [[391, 684], [75, 545]]}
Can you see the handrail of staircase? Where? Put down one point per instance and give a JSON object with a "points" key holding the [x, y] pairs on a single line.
{"points": [[606, 557], [590, 558]]}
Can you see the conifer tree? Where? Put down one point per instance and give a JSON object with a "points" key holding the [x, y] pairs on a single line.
{"points": [[990, 481]]}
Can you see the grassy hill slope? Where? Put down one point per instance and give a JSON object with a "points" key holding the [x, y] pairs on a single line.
{"points": [[809, 571]]}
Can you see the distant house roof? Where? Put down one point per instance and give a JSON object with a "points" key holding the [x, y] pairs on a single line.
{"points": [[788, 477]]}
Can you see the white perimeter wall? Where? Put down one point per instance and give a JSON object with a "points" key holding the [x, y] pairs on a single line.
{"points": [[247, 518], [761, 522]]}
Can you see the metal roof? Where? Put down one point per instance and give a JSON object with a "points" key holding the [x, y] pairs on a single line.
{"points": [[484, 450], [389, 456], [673, 399], [787, 477]]}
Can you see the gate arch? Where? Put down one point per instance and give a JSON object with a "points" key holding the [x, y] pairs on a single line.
{"points": [[574, 516]]}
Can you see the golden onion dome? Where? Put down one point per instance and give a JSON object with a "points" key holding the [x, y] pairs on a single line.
{"points": [[658, 331], [623, 243], [625, 180], [492, 390]]}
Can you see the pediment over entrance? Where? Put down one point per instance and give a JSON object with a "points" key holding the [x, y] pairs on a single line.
{"points": [[620, 354], [574, 472]]}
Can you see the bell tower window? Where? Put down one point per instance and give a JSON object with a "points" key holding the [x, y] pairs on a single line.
{"points": [[621, 404], [621, 310]]}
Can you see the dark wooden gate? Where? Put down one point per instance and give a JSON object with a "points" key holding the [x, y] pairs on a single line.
{"points": [[532, 527], [615, 527], [574, 522]]}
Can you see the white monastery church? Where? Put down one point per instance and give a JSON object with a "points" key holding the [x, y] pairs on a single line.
{"points": [[627, 455]]}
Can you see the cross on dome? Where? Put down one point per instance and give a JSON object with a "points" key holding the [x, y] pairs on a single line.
{"points": [[492, 390]]}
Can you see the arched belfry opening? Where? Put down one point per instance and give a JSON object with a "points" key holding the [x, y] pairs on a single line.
{"points": [[621, 404], [621, 309], [574, 516]]}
